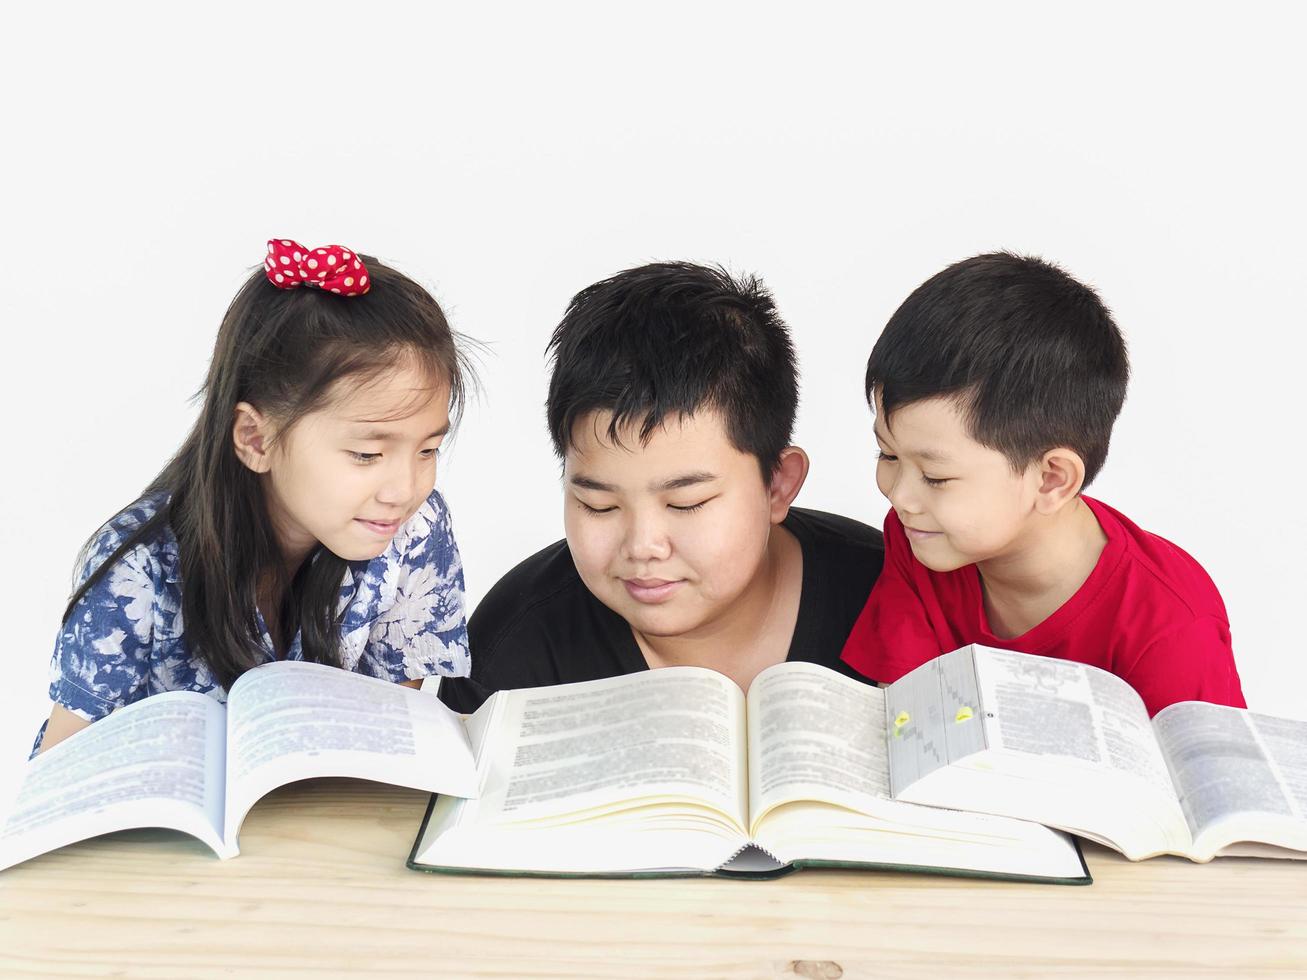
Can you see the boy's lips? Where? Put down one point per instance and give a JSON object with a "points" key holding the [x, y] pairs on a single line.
{"points": [[916, 535], [652, 590]]}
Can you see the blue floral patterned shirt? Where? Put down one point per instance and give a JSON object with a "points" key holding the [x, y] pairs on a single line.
{"points": [[402, 617]]}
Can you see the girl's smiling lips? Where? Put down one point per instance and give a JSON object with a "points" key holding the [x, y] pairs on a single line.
{"points": [[384, 528], [652, 590]]}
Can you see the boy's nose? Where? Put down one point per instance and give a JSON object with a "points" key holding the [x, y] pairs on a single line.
{"points": [[901, 496], [646, 538]]}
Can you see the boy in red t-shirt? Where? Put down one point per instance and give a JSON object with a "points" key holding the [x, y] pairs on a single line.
{"points": [[995, 386]]}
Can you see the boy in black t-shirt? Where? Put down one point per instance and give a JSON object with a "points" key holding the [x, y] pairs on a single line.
{"points": [[671, 403]]}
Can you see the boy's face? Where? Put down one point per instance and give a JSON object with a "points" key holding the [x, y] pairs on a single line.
{"points": [[960, 502], [669, 534]]}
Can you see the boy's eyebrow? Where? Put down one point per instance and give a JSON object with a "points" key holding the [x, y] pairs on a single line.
{"points": [[675, 483], [586, 483], [929, 455], [381, 435], [688, 480]]}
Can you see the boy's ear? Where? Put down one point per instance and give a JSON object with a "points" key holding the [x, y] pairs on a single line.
{"points": [[252, 435], [787, 481], [1061, 475]]}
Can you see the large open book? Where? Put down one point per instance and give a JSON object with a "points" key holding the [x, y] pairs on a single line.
{"points": [[674, 771], [1072, 746], [183, 761]]}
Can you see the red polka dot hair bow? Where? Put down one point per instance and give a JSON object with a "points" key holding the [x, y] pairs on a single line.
{"points": [[335, 268]]}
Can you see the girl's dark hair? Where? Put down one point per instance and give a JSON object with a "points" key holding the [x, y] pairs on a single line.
{"points": [[669, 339], [1033, 357], [281, 350]]}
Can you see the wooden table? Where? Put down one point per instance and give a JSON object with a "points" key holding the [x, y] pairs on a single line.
{"points": [[321, 889]]}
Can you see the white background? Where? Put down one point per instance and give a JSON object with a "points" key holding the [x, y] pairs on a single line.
{"points": [[509, 156]]}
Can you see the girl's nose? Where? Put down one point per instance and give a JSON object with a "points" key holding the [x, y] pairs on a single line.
{"points": [[400, 484]]}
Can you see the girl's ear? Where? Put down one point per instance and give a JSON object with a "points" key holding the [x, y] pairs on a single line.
{"points": [[787, 481], [252, 435], [1061, 475]]}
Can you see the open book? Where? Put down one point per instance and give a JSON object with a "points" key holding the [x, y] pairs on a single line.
{"points": [[1072, 746], [673, 771], [183, 761]]}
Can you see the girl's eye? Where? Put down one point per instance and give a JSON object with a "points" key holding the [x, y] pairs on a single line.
{"points": [[364, 457], [595, 510], [932, 482], [882, 455], [688, 508], [430, 453]]}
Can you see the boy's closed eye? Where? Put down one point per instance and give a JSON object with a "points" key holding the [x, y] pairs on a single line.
{"points": [[691, 508], [930, 481], [679, 508]]}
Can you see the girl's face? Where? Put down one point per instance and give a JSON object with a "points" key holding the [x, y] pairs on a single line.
{"points": [[349, 474]]}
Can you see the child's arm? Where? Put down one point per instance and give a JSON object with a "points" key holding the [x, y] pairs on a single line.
{"points": [[101, 656], [893, 633], [62, 724]]}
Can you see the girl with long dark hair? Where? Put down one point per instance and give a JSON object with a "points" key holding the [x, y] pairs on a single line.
{"points": [[299, 519]]}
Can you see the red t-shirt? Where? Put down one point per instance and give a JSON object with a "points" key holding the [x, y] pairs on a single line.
{"points": [[1148, 613]]}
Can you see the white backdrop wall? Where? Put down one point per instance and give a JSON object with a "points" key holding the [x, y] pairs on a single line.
{"points": [[509, 155]]}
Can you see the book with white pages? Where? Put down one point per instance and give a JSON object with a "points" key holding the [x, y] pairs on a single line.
{"points": [[675, 772], [1072, 746], [183, 761]]}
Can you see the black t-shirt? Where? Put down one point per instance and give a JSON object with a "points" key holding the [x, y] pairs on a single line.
{"points": [[540, 625]]}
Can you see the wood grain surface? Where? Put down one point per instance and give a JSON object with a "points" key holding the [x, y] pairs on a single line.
{"points": [[321, 889]]}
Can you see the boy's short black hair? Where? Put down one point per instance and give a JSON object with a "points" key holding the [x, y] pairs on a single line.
{"points": [[1033, 357], [669, 339]]}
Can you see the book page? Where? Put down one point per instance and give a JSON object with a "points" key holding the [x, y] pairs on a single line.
{"points": [[676, 733], [815, 735], [1221, 761], [819, 788], [155, 763], [1284, 742], [933, 718], [1036, 738], [1048, 707], [293, 720]]}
